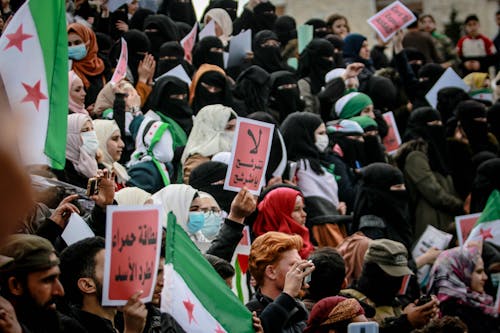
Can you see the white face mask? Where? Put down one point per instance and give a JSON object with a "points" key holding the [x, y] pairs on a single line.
{"points": [[321, 142], [90, 142]]}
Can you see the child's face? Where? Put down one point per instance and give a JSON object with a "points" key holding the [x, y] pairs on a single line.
{"points": [[472, 27]]}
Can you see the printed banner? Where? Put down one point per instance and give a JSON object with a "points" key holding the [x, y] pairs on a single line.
{"points": [[392, 140], [133, 241], [121, 67], [188, 43], [250, 155], [392, 18]]}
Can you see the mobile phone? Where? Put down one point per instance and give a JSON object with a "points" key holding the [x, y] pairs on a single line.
{"points": [[92, 187], [424, 300], [366, 327]]}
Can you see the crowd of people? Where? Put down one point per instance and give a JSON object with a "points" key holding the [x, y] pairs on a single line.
{"points": [[335, 224]]}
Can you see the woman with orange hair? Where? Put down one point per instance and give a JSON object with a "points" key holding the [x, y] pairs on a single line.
{"points": [[82, 51]]}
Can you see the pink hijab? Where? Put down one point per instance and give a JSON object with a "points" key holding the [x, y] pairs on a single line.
{"points": [[74, 106], [82, 161]]}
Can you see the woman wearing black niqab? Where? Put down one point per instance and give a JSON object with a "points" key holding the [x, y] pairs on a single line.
{"points": [[266, 49], [320, 27], [138, 45], [209, 86], [284, 97], [209, 50], [179, 10], [314, 63], [169, 98], [160, 29], [487, 180], [251, 91], [137, 20], [285, 28], [379, 195], [171, 55], [262, 17]]}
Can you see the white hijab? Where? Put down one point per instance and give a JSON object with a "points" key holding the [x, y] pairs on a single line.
{"points": [[177, 198], [82, 161], [208, 136], [104, 129], [223, 19]]}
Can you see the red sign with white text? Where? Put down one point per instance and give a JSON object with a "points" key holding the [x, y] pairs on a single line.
{"points": [[250, 155], [392, 18], [133, 241], [392, 140], [188, 43]]}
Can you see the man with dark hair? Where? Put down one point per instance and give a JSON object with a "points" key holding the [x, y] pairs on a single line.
{"points": [[30, 282], [82, 267], [328, 277], [222, 267]]}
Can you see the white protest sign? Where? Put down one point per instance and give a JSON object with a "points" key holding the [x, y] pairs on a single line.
{"points": [[179, 72], [76, 230], [208, 30], [448, 79], [239, 46]]}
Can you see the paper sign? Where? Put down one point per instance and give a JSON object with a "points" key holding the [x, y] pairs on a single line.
{"points": [[293, 62], [115, 4], [208, 30], [76, 230], [392, 140], [305, 34], [179, 72], [392, 18], [448, 79], [133, 241], [431, 237], [188, 43], [464, 225], [239, 46], [250, 155], [121, 67]]}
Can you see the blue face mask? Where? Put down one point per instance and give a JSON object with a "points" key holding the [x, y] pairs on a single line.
{"points": [[212, 225], [77, 52], [195, 222]]}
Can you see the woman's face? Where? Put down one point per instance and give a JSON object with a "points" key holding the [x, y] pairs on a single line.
{"points": [[479, 277], [368, 111], [115, 146], [339, 28], [87, 127], [231, 125], [77, 92], [208, 204], [364, 52], [321, 130], [298, 214], [74, 39]]}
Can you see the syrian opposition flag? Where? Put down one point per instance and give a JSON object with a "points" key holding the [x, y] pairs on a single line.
{"points": [[487, 227], [34, 79], [194, 294]]}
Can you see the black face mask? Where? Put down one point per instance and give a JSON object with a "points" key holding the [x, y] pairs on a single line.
{"points": [[269, 58], [215, 58], [477, 134], [285, 101], [205, 97]]}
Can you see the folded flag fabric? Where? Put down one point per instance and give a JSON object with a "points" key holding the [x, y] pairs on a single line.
{"points": [[34, 79], [487, 227], [194, 294]]}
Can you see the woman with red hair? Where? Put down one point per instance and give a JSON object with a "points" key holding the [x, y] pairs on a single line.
{"points": [[282, 209]]}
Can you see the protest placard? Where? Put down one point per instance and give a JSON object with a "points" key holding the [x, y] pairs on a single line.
{"points": [[76, 230], [208, 30], [305, 34], [239, 46], [392, 18], [250, 155], [448, 79], [178, 72], [464, 225], [431, 237], [133, 241], [121, 67], [392, 140], [188, 43]]}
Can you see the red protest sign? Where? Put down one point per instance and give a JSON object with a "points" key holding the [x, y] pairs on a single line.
{"points": [[188, 43], [250, 155], [392, 18], [392, 140], [121, 67], [133, 241], [464, 225]]}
